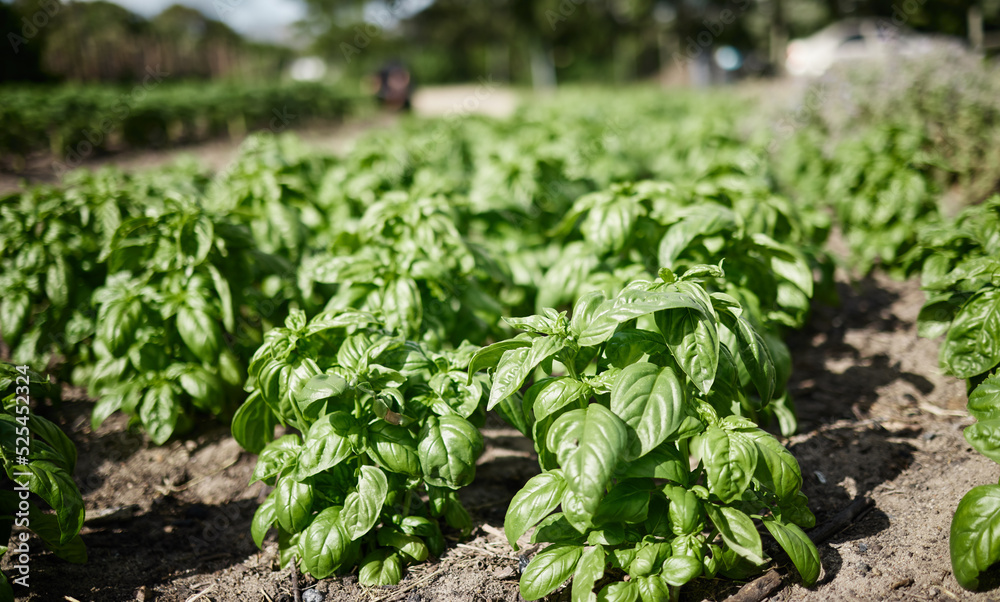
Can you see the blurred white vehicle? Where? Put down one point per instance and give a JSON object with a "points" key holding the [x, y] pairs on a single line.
{"points": [[855, 40]]}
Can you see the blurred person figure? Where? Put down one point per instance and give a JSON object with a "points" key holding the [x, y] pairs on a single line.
{"points": [[395, 87]]}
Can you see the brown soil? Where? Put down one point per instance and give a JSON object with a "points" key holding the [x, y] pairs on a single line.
{"points": [[877, 418]]}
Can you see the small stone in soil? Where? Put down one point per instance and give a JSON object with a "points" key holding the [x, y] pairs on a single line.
{"points": [[864, 569], [311, 595], [504, 573], [522, 563], [862, 547]]}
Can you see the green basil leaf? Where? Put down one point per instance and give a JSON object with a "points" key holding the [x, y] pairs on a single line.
{"points": [[489, 357], [111, 402], [650, 400], [326, 444], [649, 558], [159, 412], [200, 332], [628, 305], [45, 430], [380, 567], [317, 389], [54, 485], [621, 591], [549, 396], [48, 529], [701, 220], [269, 380], [799, 548], [253, 425], [796, 510], [117, 322], [556, 528], [276, 458], [511, 409], [535, 324], [754, 353], [584, 309], [686, 511], [984, 401], [461, 397], [985, 437], [678, 570], [738, 531], [663, 462], [787, 263], [263, 518], [410, 546], [693, 340], [57, 282], [539, 496], [548, 570], [777, 469], [363, 505], [974, 543], [293, 504], [589, 570], [972, 345], [607, 226], [449, 447], [576, 512], [936, 316], [516, 364], [393, 448], [627, 346], [323, 545], [225, 297], [730, 459], [590, 444], [657, 521], [402, 307], [511, 371], [627, 502], [457, 516]]}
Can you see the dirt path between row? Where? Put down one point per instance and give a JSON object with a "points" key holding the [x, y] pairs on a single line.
{"points": [[877, 419]]}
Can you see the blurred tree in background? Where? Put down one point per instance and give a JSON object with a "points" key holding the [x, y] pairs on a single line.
{"points": [[542, 41], [101, 41], [537, 42]]}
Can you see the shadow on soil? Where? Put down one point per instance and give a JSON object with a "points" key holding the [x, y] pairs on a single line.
{"points": [[844, 462], [171, 540]]}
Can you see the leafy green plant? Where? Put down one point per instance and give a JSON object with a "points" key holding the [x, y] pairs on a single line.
{"points": [[178, 317], [893, 146], [961, 272], [68, 120], [48, 269], [381, 422], [629, 229], [406, 261], [635, 405], [39, 459]]}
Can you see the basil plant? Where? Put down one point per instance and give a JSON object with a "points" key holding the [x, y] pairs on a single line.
{"points": [[382, 433], [650, 475]]}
